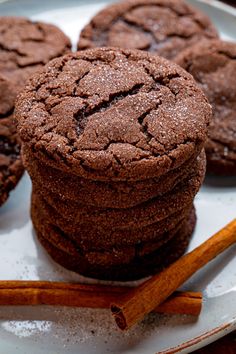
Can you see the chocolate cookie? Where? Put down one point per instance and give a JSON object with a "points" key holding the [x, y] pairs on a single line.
{"points": [[25, 46], [158, 26], [11, 168], [113, 114], [138, 268], [213, 65], [143, 214], [7, 97], [104, 253], [87, 235], [104, 194], [107, 120]]}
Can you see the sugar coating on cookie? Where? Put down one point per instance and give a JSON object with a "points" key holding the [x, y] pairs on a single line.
{"points": [[113, 114], [126, 263]]}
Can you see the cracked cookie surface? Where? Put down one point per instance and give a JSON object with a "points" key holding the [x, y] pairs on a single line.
{"points": [[113, 114], [213, 65], [158, 26], [26, 46]]}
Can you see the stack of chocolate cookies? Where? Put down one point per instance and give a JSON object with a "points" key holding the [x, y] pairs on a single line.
{"points": [[25, 47], [113, 141]]}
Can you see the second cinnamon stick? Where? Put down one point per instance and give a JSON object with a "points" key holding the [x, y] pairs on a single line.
{"points": [[31, 293]]}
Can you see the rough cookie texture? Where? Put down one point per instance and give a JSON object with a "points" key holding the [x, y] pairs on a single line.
{"points": [[96, 265], [213, 65], [93, 236], [164, 27], [25, 46], [113, 142], [147, 213], [123, 251], [104, 194], [113, 114]]}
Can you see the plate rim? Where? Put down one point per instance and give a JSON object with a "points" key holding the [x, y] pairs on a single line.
{"points": [[220, 5], [218, 332], [198, 342]]}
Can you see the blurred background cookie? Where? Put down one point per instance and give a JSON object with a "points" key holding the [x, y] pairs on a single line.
{"points": [[213, 65], [11, 168], [25, 47], [164, 27]]}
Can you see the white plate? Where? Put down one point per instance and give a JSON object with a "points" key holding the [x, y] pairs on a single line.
{"points": [[83, 331]]}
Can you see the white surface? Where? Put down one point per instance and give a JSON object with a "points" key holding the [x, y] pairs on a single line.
{"points": [[84, 331]]}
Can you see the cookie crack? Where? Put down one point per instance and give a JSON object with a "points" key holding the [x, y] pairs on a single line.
{"points": [[160, 5], [8, 113], [103, 41], [141, 29], [77, 82], [12, 50], [227, 54], [41, 30], [22, 55], [102, 38], [82, 115], [143, 126], [190, 64], [224, 145], [164, 81], [117, 160], [154, 41]]}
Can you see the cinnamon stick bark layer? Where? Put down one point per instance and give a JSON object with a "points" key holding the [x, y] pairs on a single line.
{"points": [[32, 293], [152, 293]]}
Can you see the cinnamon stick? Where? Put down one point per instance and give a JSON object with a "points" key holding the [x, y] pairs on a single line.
{"points": [[153, 292], [82, 295]]}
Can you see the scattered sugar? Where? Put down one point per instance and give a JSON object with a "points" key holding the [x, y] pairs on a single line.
{"points": [[26, 328]]}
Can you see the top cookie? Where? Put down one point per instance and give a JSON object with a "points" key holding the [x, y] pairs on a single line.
{"points": [[26, 46], [213, 65], [113, 114], [164, 27]]}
